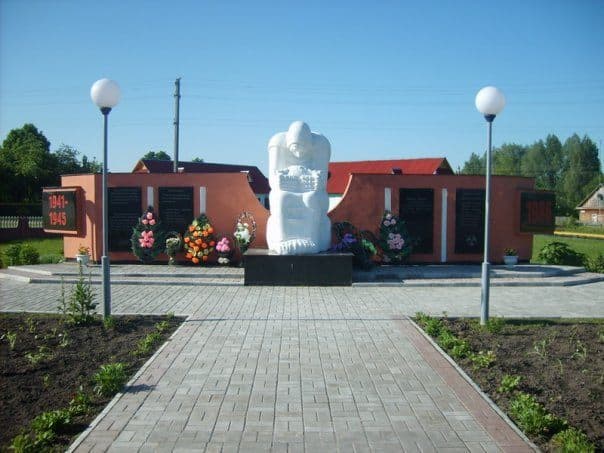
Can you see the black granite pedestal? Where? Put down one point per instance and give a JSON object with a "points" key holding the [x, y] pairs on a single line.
{"points": [[321, 269]]}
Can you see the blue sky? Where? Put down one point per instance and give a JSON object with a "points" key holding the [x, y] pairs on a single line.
{"points": [[383, 79]]}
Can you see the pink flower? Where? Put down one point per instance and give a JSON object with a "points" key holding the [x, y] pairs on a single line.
{"points": [[149, 216], [145, 221], [152, 222], [386, 222], [151, 241], [150, 233]]}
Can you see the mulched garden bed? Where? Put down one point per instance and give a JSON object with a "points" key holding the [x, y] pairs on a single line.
{"points": [[70, 356], [561, 363]]}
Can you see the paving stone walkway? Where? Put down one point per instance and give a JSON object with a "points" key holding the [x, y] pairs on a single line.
{"points": [[305, 369]]}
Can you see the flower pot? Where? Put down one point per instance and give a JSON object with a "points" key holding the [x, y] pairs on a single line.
{"points": [[83, 260], [510, 260]]}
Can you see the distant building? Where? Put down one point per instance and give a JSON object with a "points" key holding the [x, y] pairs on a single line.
{"points": [[339, 172], [258, 182], [591, 209]]}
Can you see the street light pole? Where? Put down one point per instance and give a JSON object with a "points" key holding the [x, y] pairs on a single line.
{"points": [[489, 101], [105, 94], [105, 258]]}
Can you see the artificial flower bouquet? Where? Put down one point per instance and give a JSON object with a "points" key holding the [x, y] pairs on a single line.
{"points": [[199, 240], [147, 237]]}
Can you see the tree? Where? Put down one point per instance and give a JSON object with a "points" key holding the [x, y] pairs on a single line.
{"points": [[475, 165], [198, 160], [157, 155], [507, 159], [544, 162], [28, 164], [583, 168]]}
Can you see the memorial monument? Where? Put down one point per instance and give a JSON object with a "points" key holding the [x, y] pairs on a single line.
{"points": [[298, 162], [298, 228]]}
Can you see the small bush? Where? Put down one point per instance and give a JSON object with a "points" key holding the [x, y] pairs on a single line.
{"points": [[52, 421], [482, 359], [81, 308], [495, 325], [29, 254], [433, 327], [52, 258], [532, 417], [13, 254], [146, 344], [595, 264], [110, 379], [572, 440], [560, 253], [509, 384]]}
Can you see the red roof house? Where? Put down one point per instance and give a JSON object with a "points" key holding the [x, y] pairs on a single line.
{"points": [[339, 172], [258, 182]]}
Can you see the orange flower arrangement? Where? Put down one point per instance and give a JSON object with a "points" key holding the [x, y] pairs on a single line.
{"points": [[199, 240]]}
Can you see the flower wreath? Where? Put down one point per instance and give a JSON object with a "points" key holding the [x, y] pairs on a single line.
{"points": [[199, 240], [147, 237]]}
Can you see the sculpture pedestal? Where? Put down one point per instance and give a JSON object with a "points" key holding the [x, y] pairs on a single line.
{"points": [[321, 269]]}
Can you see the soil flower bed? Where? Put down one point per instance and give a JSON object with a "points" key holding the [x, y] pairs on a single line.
{"points": [[46, 363], [549, 371]]}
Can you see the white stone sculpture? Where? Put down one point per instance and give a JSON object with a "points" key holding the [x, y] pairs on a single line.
{"points": [[298, 161]]}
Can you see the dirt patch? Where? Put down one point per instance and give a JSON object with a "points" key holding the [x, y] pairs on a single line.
{"points": [[560, 363], [63, 358]]}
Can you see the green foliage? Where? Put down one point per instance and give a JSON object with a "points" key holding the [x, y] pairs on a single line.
{"points": [[595, 264], [11, 338], [110, 379], [571, 170], [532, 417], [560, 253], [13, 254], [148, 238], [433, 327], [53, 421], [52, 258], [475, 165], [80, 308], [36, 357], [162, 326], [157, 155], [23, 443], [495, 325], [80, 404], [109, 322], [572, 440], [146, 344], [29, 254], [587, 246], [509, 384], [482, 359]]}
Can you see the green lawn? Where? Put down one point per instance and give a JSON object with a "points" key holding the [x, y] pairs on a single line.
{"points": [[589, 247], [46, 246]]}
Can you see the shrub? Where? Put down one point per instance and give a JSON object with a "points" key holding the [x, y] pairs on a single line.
{"points": [[572, 440], [532, 417], [146, 344], [595, 264], [29, 254], [52, 421], [509, 384], [560, 253], [80, 308], [482, 359], [110, 379], [13, 254], [52, 258]]}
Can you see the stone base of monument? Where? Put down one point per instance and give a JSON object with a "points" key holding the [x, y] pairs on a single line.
{"points": [[321, 269]]}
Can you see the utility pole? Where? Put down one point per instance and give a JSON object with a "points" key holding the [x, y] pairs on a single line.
{"points": [[176, 121]]}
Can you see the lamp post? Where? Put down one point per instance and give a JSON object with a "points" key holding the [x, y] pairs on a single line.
{"points": [[489, 101], [105, 94]]}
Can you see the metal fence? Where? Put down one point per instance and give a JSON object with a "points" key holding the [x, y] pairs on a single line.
{"points": [[21, 227]]}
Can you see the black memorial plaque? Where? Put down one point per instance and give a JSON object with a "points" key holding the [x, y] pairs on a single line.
{"points": [[537, 212], [416, 208], [176, 208], [60, 210], [469, 221], [124, 211]]}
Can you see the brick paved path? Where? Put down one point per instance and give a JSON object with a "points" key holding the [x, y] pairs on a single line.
{"points": [[305, 369]]}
